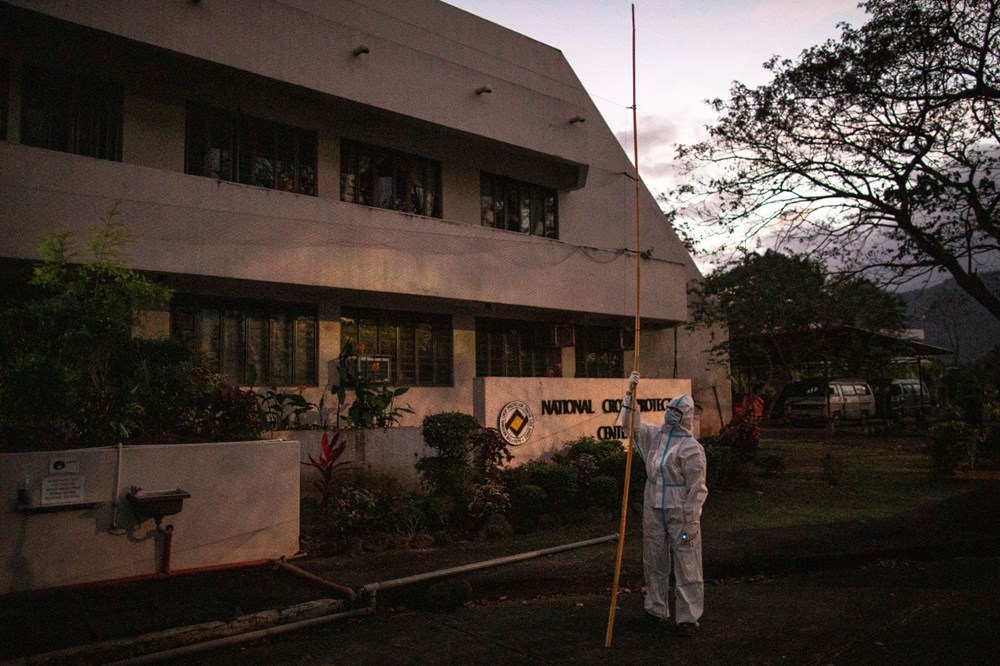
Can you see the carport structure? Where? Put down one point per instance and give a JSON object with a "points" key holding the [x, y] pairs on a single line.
{"points": [[887, 349]]}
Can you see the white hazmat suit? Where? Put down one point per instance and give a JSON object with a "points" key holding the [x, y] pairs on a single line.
{"points": [[672, 501]]}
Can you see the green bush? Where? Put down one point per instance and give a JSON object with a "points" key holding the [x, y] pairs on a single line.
{"points": [[608, 457], [719, 460], [72, 374], [558, 480], [953, 443], [605, 492], [449, 472], [448, 433], [529, 501], [354, 511]]}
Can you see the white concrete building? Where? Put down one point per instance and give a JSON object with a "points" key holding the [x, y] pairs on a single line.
{"points": [[435, 189]]}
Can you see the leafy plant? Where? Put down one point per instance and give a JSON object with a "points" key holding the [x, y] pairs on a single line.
{"points": [[953, 443], [488, 498], [75, 336], [329, 462], [374, 404], [281, 409]]}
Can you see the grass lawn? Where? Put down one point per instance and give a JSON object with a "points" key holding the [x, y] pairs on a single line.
{"points": [[830, 479]]}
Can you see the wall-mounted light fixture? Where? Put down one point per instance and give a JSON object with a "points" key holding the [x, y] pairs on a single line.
{"points": [[481, 90], [361, 50], [577, 119]]}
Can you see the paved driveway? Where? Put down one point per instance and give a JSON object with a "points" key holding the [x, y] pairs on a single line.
{"points": [[892, 612]]}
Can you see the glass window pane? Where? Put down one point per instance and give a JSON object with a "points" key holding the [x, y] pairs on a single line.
{"points": [[284, 159], [281, 349], [305, 350], [233, 342], [257, 370], [207, 336]]}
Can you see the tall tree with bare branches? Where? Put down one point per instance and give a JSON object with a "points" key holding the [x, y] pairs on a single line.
{"points": [[878, 151]]}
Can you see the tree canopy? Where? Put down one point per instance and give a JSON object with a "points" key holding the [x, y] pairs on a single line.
{"points": [[879, 150], [774, 306]]}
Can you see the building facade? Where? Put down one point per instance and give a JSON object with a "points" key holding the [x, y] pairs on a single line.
{"points": [[435, 191]]}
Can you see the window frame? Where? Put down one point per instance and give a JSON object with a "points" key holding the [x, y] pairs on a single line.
{"points": [[600, 341], [405, 178], [535, 207], [516, 348], [250, 142], [256, 326], [75, 113], [434, 369]]}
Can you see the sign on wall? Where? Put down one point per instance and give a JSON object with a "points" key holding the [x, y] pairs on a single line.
{"points": [[540, 415]]}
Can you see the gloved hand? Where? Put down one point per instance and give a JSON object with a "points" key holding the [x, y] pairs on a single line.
{"points": [[633, 381]]}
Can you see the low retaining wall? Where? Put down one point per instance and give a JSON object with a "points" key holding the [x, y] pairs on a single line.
{"points": [[60, 526], [390, 451]]}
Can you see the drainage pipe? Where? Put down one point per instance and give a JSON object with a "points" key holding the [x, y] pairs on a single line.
{"points": [[168, 541], [372, 588], [115, 501], [243, 638], [319, 580]]}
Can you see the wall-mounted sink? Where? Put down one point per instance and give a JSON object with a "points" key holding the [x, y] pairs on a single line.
{"points": [[157, 503]]}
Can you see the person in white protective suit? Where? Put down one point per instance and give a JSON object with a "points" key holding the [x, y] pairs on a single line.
{"points": [[671, 514]]}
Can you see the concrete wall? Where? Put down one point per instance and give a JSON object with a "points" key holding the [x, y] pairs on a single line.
{"points": [[391, 451], [244, 506]]}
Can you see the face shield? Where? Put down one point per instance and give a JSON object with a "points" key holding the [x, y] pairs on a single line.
{"points": [[679, 416]]}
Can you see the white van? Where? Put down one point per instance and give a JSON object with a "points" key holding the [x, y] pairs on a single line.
{"points": [[839, 400]]}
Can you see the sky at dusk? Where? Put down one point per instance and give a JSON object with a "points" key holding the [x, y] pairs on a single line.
{"points": [[687, 51]]}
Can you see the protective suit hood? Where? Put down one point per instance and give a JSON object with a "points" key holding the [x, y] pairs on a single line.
{"points": [[685, 404]]}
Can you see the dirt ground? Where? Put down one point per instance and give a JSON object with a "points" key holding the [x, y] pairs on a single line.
{"points": [[565, 592]]}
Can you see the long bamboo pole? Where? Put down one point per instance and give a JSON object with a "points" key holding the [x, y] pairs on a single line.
{"points": [[635, 361]]}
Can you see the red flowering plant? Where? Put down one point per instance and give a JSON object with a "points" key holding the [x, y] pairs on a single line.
{"points": [[329, 463]]}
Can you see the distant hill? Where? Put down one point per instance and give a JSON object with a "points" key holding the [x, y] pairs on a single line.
{"points": [[951, 319]]}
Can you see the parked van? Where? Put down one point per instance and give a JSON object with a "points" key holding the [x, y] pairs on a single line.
{"points": [[909, 397], [838, 400]]}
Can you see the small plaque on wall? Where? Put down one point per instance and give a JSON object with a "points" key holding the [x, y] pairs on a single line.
{"points": [[61, 488]]}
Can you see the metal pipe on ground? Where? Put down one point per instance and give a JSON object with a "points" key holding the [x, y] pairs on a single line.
{"points": [[243, 638], [313, 578], [371, 588]]}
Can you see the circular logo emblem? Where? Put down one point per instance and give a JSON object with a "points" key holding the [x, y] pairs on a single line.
{"points": [[515, 422]]}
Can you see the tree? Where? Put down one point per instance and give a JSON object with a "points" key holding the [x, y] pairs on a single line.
{"points": [[776, 306], [73, 375], [879, 149]]}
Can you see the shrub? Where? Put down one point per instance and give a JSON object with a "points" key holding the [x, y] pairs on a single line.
{"points": [[529, 501], [742, 437], [490, 452], [487, 499], [72, 374], [607, 455], [353, 511], [605, 492], [953, 443], [558, 480], [448, 433], [719, 460]]}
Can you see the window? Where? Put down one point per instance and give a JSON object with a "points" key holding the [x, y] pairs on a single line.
{"points": [[506, 348], [417, 346], [251, 343], [71, 113], [600, 352], [237, 148], [516, 206], [385, 178]]}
